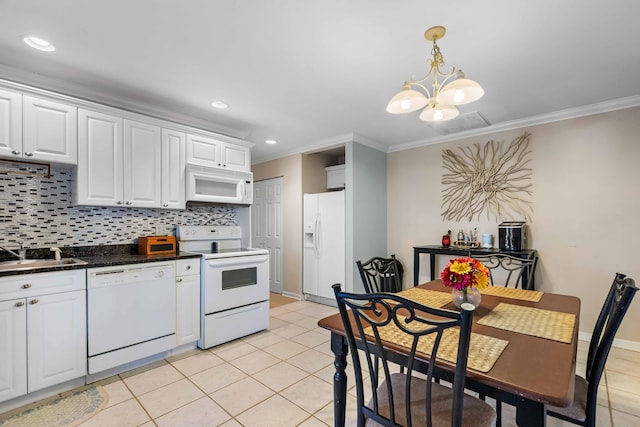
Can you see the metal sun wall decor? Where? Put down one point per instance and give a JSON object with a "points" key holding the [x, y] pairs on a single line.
{"points": [[491, 179]]}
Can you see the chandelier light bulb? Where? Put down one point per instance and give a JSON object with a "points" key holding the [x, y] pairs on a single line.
{"points": [[460, 91], [405, 104], [406, 101], [439, 113]]}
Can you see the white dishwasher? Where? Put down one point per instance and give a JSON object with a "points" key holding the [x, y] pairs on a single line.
{"points": [[131, 312]]}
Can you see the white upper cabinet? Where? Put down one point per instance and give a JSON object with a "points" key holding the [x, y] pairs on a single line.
{"points": [[119, 162], [205, 151], [50, 131], [142, 163], [10, 124], [37, 129], [173, 169], [99, 178], [236, 157]]}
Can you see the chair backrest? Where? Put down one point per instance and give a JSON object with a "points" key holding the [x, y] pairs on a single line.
{"points": [[380, 274], [509, 269], [620, 295], [379, 314]]}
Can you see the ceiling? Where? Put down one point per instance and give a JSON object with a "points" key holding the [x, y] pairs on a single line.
{"points": [[315, 74]]}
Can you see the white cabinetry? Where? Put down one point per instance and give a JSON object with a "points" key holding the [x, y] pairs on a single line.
{"points": [[99, 178], [173, 169], [205, 151], [335, 177], [37, 129], [13, 351], [50, 131], [10, 123], [43, 331], [119, 162], [142, 165], [187, 300]]}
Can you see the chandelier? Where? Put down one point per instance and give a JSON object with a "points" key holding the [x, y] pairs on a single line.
{"points": [[453, 89]]}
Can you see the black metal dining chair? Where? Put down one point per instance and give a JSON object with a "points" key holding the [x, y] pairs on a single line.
{"points": [[402, 399], [381, 274], [583, 409], [512, 272]]}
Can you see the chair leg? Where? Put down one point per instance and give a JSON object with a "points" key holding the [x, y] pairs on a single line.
{"points": [[498, 413]]}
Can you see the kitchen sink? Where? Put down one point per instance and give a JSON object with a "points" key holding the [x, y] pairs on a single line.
{"points": [[34, 264]]}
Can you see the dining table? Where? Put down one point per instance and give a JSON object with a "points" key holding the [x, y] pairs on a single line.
{"points": [[534, 369]]}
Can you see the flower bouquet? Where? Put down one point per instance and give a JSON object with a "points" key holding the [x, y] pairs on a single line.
{"points": [[465, 276]]}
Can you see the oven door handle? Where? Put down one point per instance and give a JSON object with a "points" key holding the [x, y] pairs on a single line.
{"points": [[241, 260]]}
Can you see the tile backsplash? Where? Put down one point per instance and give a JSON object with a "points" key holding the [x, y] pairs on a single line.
{"points": [[39, 211]]}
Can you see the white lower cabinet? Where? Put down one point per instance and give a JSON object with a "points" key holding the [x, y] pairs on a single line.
{"points": [[187, 301], [13, 351], [42, 330]]}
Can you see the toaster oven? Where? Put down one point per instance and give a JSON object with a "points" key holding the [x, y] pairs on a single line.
{"points": [[153, 245]]}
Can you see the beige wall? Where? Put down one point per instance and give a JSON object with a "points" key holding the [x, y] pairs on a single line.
{"points": [[290, 168], [314, 175], [586, 199]]}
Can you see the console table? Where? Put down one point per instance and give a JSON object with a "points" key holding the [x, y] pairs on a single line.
{"points": [[434, 250]]}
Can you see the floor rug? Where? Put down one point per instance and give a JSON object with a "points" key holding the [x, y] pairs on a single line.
{"points": [[68, 410]]}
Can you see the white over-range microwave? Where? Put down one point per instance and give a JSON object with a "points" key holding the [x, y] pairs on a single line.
{"points": [[207, 184]]}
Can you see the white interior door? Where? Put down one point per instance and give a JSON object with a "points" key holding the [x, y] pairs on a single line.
{"points": [[267, 226]]}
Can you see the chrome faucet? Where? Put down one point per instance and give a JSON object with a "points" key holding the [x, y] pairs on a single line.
{"points": [[22, 252]]}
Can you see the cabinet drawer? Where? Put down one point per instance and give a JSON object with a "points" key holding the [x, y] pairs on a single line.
{"points": [[187, 266], [28, 285]]}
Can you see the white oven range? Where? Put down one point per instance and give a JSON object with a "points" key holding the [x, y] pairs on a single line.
{"points": [[234, 282]]}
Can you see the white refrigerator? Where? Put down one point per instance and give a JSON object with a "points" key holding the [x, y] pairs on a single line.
{"points": [[324, 243]]}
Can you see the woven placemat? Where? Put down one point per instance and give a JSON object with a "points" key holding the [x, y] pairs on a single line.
{"points": [[426, 297], [521, 294], [483, 350], [552, 325]]}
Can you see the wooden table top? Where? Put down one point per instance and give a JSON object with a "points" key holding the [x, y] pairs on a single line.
{"points": [[539, 369]]}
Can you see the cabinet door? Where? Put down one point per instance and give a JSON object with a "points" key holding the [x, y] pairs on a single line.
{"points": [[142, 163], [173, 169], [13, 350], [203, 151], [99, 175], [50, 131], [57, 338], [188, 309], [236, 157], [10, 124]]}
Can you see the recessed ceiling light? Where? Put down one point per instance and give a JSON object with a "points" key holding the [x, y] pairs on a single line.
{"points": [[38, 43], [271, 141], [219, 104]]}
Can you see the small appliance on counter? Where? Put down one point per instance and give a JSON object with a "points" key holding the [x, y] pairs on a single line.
{"points": [[156, 245], [512, 235]]}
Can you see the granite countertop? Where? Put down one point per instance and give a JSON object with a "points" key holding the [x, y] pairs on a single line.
{"points": [[95, 256]]}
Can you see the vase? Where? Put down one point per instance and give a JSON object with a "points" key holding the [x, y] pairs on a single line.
{"points": [[467, 295]]}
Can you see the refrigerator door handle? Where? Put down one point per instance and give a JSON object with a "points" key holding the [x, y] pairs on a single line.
{"points": [[316, 236]]}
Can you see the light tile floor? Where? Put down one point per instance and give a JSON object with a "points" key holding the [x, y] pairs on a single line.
{"points": [[283, 377]]}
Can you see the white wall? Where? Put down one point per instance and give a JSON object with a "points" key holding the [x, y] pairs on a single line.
{"points": [[586, 204]]}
